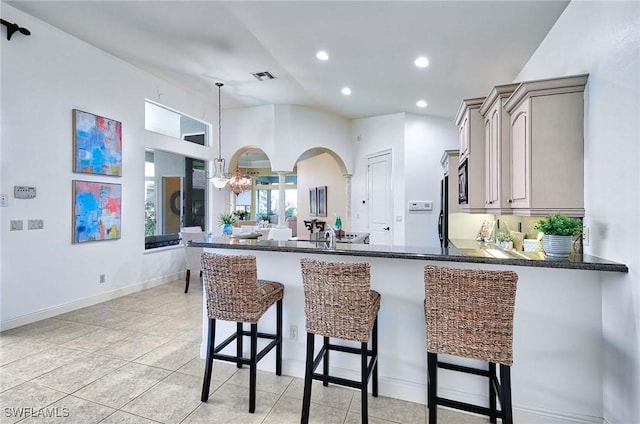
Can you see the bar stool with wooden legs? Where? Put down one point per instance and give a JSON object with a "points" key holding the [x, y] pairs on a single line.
{"points": [[234, 293], [469, 313], [338, 303]]}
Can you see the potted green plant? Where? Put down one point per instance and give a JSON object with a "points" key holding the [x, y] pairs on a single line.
{"points": [[558, 231], [505, 240], [226, 220], [241, 214]]}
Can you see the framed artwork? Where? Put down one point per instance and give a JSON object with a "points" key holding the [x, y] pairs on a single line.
{"points": [[97, 211], [97, 144], [322, 201], [313, 202]]}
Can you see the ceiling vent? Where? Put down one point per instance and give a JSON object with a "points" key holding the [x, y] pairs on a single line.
{"points": [[263, 76]]}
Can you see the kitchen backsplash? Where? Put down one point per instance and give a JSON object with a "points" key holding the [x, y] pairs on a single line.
{"points": [[506, 223]]}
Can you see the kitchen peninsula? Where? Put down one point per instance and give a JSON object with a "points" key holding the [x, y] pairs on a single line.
{"points": [[558, 344]]}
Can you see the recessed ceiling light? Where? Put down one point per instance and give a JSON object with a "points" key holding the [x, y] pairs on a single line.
{"points": [[346, 91], [322, 55], [421, 62], [421, 103]]}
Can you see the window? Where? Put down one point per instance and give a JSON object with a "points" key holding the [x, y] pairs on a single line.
{"points": [[174, 185]]}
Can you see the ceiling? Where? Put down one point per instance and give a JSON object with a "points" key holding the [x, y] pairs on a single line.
{"points": [[372, 45]]}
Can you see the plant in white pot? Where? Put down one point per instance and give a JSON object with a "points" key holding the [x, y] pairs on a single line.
{"points": [[505, 240], [558, 231]]}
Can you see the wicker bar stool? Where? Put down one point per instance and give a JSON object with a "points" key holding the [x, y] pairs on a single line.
{"points": [[339, 303], [469, 313], [235, 294]]}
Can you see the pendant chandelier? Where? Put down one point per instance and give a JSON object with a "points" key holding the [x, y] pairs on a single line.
{"points": [[219, 178], [239, 183]]}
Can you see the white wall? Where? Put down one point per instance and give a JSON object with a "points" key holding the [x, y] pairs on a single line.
{"points": [[321, 170], [603, 39], [369, 136], [426, 138], [284, 132], [44, 77]]}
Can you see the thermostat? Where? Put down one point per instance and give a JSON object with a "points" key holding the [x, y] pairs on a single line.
{"points": [[24, 192]]}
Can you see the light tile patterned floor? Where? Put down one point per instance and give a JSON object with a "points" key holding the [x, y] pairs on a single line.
{"points": [[135, 359]]}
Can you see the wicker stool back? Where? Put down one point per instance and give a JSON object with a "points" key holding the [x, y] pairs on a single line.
{"points": [[339, 303], [469, 313], [233, 293]]}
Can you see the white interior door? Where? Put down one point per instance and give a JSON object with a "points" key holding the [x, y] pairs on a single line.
{"points": [[380, 199]]}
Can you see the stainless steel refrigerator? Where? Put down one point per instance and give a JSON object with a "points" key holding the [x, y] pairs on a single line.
{"points": [[443, 219]]}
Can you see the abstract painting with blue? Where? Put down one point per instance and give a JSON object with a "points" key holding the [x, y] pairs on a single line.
{"points": [[97, 211], [97, 144]]}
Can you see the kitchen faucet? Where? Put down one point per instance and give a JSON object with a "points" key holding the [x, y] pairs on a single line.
{"points": [[330, 238]]}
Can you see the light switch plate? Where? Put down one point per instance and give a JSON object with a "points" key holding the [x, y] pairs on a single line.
{"points": [[420, 205], [4, 200], [35, 224]]}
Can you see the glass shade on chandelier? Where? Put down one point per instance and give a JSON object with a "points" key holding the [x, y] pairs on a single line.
{"points": [[219, 178]]}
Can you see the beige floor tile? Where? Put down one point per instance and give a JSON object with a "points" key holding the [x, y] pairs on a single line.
{"points": [[21, 349], [120, 417], [449, 416], [288, 410], [265, 381], [71, 410], [357, 419], [389, 409], [141, 323], [9, 381], [89, 315], [332, 395], [21, 400], [171, 355], [230, 404], [123, 385], [77, 374], [134, 346], [37, 329], [169, 401], [42, 362], [174, 327], [68, 332], [7, 339], [222, 371], [98, 340], [116, 318]]}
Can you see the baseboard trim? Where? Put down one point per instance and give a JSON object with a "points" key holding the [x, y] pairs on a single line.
{"points": [[88, 301]]}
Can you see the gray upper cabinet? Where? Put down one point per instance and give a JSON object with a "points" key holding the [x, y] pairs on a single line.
{"points": [[497, 150], [546, 146], [469, 122]]}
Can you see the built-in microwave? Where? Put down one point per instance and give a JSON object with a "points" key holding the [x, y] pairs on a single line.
{"points": [[463, 185]]}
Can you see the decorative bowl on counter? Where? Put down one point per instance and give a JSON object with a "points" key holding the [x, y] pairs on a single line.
{"points": [[532, 245]]}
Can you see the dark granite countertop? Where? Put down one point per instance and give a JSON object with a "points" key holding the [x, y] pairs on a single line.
{"points": [[469, 252]]}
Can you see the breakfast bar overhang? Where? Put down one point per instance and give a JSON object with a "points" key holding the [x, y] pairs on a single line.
{"points": [[558, 343]]}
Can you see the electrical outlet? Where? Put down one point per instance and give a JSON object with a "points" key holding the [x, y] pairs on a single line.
{"points": [[103, 278], [16, 225], [293, 332], [585, 236]]}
